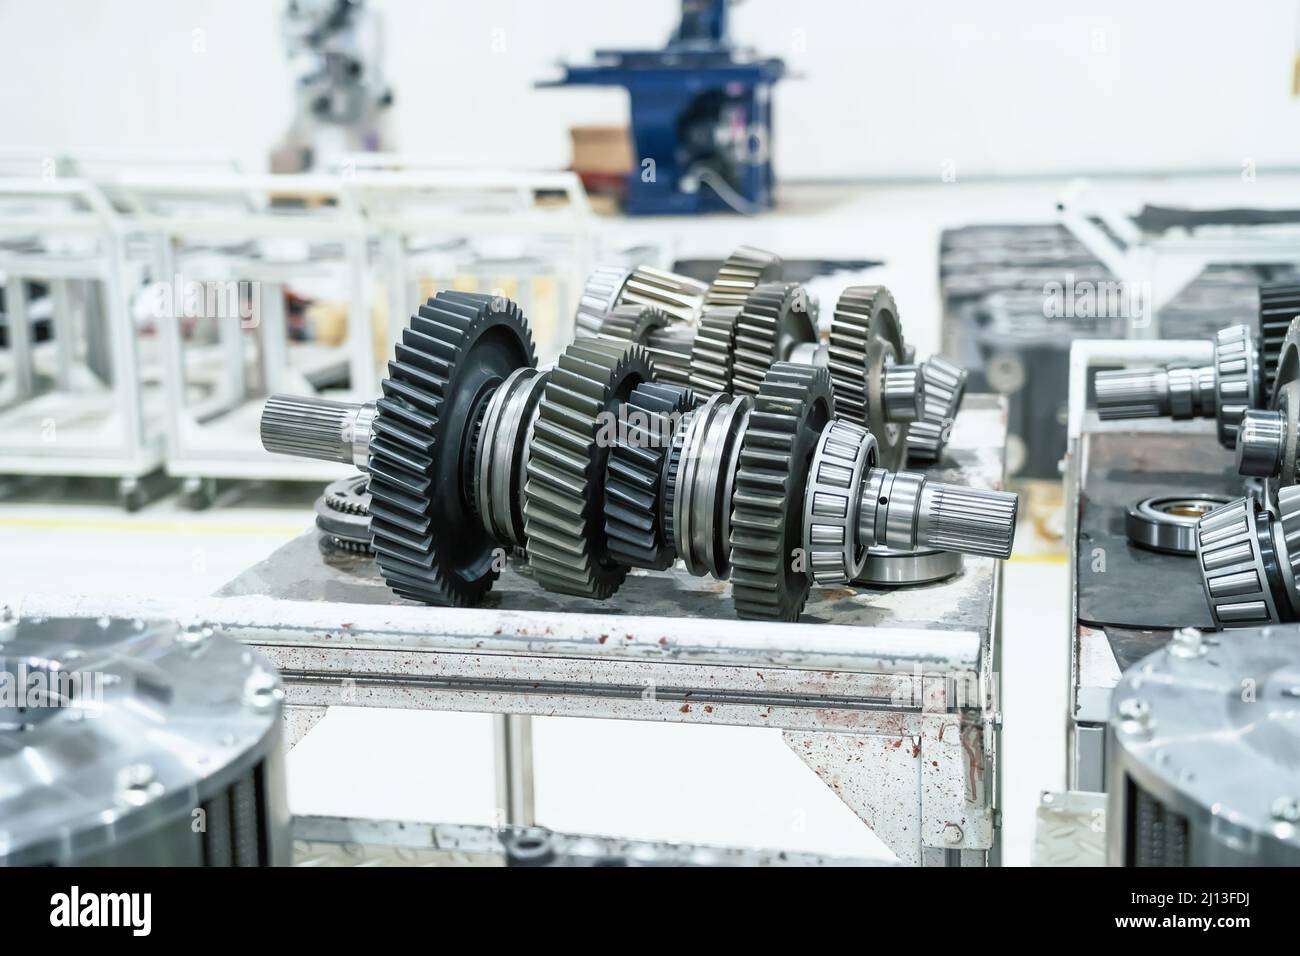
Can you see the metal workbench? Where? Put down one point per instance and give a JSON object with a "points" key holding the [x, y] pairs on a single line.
{"points": [[888, 695]]}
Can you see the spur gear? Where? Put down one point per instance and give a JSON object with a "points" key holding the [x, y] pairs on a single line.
{"points": [[564, 496], [1279, 304], [866, 340], [634, 482], [458, 349], [713, 351], [773, 321], [343, 515], [740, 273], [668, 345], [793, 405]]}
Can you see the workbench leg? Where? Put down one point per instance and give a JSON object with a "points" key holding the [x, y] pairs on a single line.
{"points": [[513, 739]]}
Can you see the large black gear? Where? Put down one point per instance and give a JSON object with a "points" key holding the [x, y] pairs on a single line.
{"points": [[775, 318], [458, 348], [792, 407], [564, 514], [634, 483], [1279, 303]]}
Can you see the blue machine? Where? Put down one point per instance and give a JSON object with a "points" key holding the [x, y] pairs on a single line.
{"points": [[701, 117]]}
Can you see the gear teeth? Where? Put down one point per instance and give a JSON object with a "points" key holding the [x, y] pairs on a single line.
{"points": [[670, 352], [600, 294], [679, 297], [847, 357], [631, 323], [343, 515], [415, 552], [714, 350], [349, 495], [943, 385], [1232, 567], [1235, 377], [774, 317], [740, 273], [635, 478], [564, 496], [792, 405], [1279, 303]]}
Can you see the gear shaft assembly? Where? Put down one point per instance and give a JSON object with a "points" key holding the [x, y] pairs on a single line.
{"points": [[593, 467], [1222, 391]]}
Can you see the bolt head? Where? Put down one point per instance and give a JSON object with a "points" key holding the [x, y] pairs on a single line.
{"points": [[952, 834]]}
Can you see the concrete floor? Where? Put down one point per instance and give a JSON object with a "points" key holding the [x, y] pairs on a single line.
{"points": [[709, 784]]}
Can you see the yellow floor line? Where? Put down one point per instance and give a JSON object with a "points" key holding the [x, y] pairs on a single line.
{"points": [[147, 526], [1046, 558]]}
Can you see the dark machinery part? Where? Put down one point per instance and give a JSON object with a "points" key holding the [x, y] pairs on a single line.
{"points": [[564, 514], [1279, 305], [668, 345], [793, 405], [1168, 522], [701, 117], [1202, 772], [1223, 390], [634, 493], [343, 515], [456, 351], [125, 734]]}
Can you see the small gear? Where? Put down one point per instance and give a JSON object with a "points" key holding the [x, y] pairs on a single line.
{"points": [[792, 407], [632, 323], [598, 297], [943, 385], [343, 515], [773, 320], [634, 525], [1279, 304], [714, 350], [866, 338], [740, 273], [564, 515], [457, 350]]}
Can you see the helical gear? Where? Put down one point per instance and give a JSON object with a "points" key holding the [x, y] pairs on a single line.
{"points": [[634, 499], [599, 295], [793, 404], [458, 348], [679, 297], [564, 515]]}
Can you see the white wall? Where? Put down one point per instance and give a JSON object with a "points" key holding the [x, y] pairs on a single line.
{"points": [[886, 89]]}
